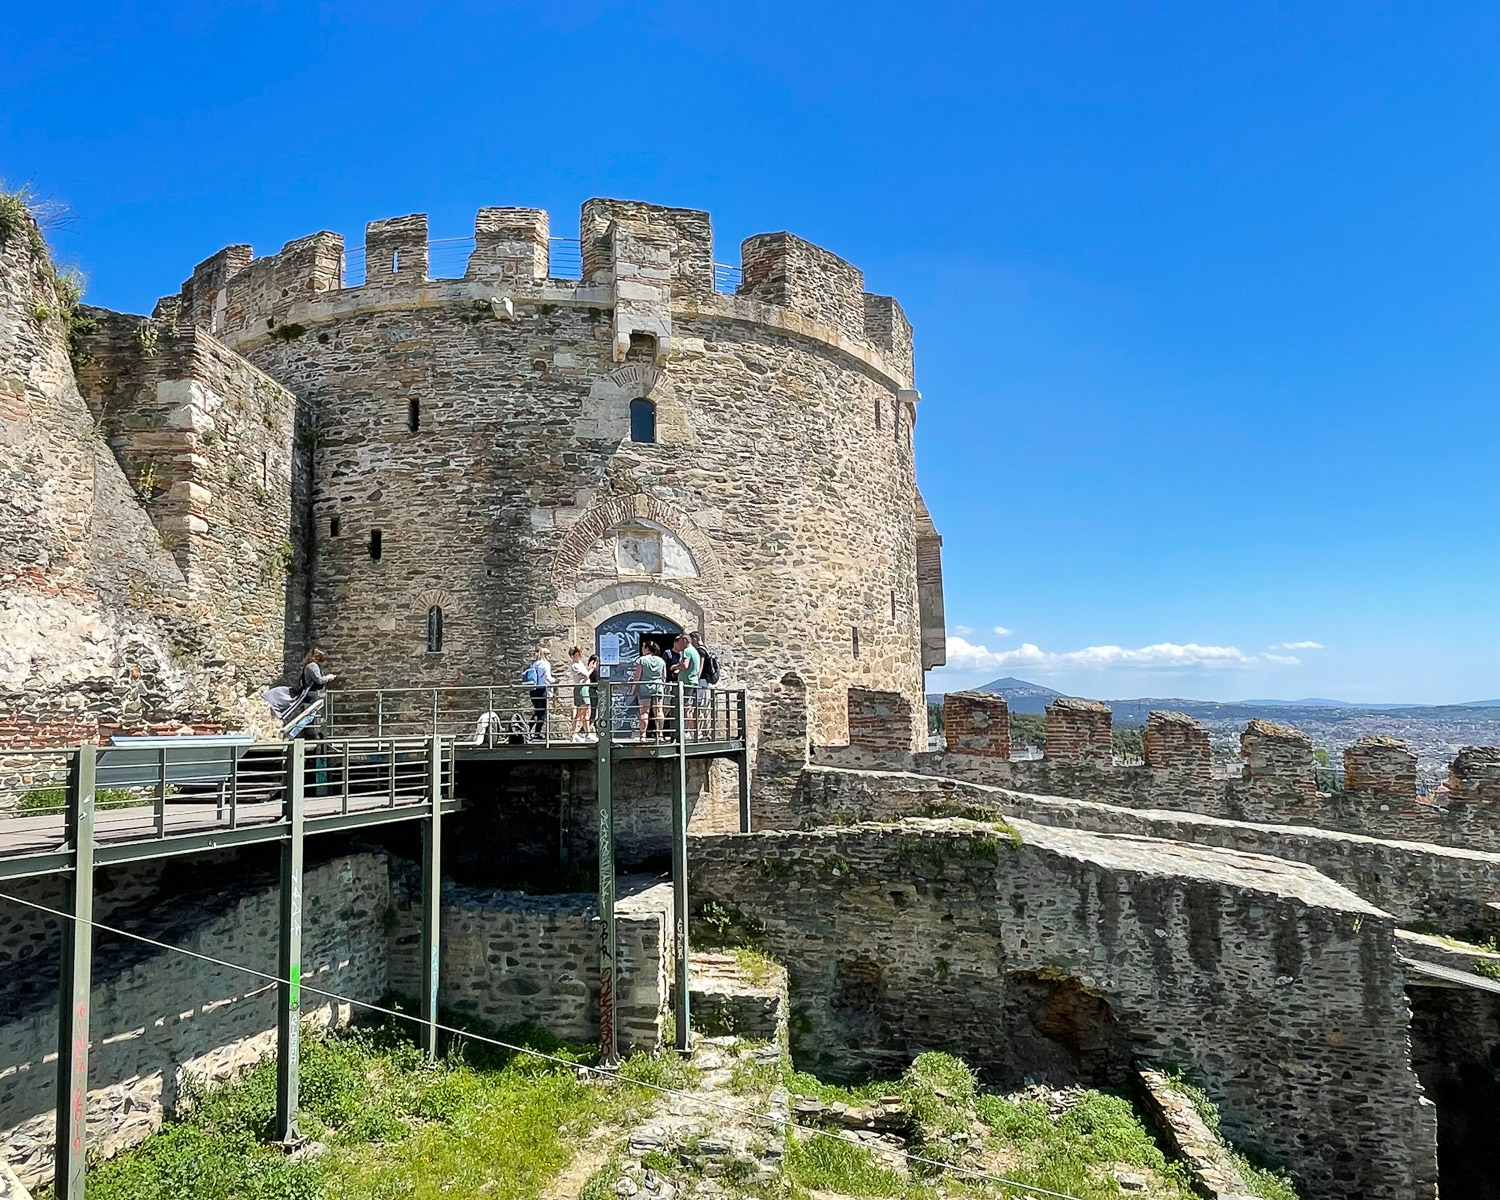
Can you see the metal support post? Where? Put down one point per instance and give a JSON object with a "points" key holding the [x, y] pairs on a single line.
{"points": [[680, 880], [432, 894], [75, 982], [609, 1049], [289, 951], [744, 762]]}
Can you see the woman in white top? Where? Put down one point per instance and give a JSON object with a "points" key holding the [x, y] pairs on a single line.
{"points": [[578, 674]]}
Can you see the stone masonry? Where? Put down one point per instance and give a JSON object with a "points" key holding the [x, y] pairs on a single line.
{"points": [[1078, 730], [977, 723], [1055, 950]]}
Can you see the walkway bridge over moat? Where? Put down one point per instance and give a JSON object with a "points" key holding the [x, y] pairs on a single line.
{"points": [[383, 756]]}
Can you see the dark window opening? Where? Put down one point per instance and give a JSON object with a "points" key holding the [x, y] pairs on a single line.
{"points": [[893, 604], [375, 544], [879, 423], [395, 261], [434, 630], [642, 421], [414, 414], [642, 348], [856, 641], [333, 526]]}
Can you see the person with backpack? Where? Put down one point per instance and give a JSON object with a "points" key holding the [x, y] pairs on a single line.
{"points": [[708, 677], [539, 678], [689, 664]]}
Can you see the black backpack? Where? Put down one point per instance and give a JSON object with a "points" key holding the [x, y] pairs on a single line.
{"points": [[709, 671]]}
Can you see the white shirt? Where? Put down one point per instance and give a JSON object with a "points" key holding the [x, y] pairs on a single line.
{"points": [[543, 672]]}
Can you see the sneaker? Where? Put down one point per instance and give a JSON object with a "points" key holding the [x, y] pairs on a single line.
{"points": [[578, 737], [591, 737]]}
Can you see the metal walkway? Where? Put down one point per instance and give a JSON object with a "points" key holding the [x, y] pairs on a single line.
{"points": [[144, 798]]}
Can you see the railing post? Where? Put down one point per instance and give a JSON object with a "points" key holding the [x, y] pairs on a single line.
{"points": [[432, 895], [435, 730], [160, 804], [609, 1049], [380, 714], [75, 982], [742, 710], [490, 717], [289, 949], [679, 879]]}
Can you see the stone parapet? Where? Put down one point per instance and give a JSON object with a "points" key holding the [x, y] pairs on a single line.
{"points": [[1079, 730], [977, 723], [510, 245], [1474, 776], [1381, 770], [1175, 743], [782, 269], [1278, 756]]}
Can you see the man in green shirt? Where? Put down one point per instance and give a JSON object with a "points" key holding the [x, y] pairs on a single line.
{"points": [[689, 667]]}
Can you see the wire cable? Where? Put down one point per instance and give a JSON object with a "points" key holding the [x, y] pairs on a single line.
{"points": [[783, 1123]]}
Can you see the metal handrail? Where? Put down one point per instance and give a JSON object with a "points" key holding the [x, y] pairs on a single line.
{"points": [[492, 715]]}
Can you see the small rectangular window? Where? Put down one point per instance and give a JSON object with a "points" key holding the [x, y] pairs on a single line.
{"points": [[375, 544], [413, 414], [333, 526], [893, 604], [856, 641], [879, 424]]}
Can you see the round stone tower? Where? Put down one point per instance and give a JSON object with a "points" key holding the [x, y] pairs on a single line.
{"points": [[542, 458]]}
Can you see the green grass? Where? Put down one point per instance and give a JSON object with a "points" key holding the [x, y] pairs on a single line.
{"points": [[48, 799], [481, 1122], [1269, 1183]]}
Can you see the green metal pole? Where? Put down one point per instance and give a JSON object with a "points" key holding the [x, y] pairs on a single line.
{"points": [[742, 705], [75, 983], [289, 953], [679, 879], [432, 894], [609, 1048]]}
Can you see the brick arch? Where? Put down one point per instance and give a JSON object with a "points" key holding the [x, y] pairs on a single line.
{"points": [[640, 379], [620, 598], [604, 515], [436, 598]]}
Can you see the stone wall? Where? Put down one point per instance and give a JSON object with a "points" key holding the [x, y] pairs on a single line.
{"points": [[1474, 777], [977, 724], [99, 629], [1454, 890], [157, 1019], [1176, 744], [1078, 731], [1068, 953], [511, 958], [553, 521]]}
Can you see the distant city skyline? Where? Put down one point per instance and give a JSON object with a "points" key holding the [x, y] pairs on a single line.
{"points": [[1204, 298]]}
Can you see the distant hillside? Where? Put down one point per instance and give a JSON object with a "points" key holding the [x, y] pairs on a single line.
{"points": [[1022, 697]]}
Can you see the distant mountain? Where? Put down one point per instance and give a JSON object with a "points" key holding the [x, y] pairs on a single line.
{"points": [[1020, 696]]}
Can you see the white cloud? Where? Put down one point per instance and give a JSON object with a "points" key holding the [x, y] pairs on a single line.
{"points": [[1296, 646], [1163, 656], [963, 630], [1001, 631]]}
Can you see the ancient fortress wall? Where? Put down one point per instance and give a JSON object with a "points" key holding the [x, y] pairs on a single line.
{"points": [[1278, 783], [482, 426], [158, 1018], [104, 625], [1071, 952]]}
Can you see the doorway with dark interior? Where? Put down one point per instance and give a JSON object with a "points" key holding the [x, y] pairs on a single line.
{"points": [[617, 642]]}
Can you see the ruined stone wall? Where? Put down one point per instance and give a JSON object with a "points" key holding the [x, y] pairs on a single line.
{"points": [[977, 724], [1065, 951], [157, 1019], [99, 632], [510, 958], [1454, 890], [1078, 731], [776, 512]]}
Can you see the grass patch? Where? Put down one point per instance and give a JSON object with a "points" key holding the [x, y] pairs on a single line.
{"points": [[480, 1122], [1263, 1180], [56, 799], [831, 1164]]}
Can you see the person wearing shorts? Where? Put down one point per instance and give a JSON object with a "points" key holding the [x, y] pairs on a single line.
{"points": [[689, 667], [583, 702], [650, 678]]}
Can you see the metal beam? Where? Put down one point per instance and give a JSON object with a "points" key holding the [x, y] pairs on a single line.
{"points": [[679, 879], [289, 951], [609, 1048], [432, 895], [75, 983], [743, 713]]}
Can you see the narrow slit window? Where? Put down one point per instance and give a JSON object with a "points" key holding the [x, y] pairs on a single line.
{"points": [[893, 604], [642, 421], [395, 261], [434, 630], [414, 414], [879, 423], [375, 546], [334, 525], [855, 640]]}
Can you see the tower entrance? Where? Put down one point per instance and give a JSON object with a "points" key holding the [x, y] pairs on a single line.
{"points": [[617, 642]]}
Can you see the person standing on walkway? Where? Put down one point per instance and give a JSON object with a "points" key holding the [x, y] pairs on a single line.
{"points": [[689, 667], [583, 704], [650, 675], [539, 676]]}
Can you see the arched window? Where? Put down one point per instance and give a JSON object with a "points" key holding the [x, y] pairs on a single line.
{"points": [[434, 630], [642, 421]]}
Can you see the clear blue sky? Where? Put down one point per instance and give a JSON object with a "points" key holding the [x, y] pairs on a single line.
{"points": [[1205, 294]]}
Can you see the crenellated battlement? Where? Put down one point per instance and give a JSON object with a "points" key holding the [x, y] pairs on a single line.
{"points": [[641, 262]]}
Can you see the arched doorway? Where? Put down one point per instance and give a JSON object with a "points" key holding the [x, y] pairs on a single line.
{"points": [[617, 642]]}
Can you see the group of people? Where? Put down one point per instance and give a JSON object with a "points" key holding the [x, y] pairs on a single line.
{"points": [[663, 660]]}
